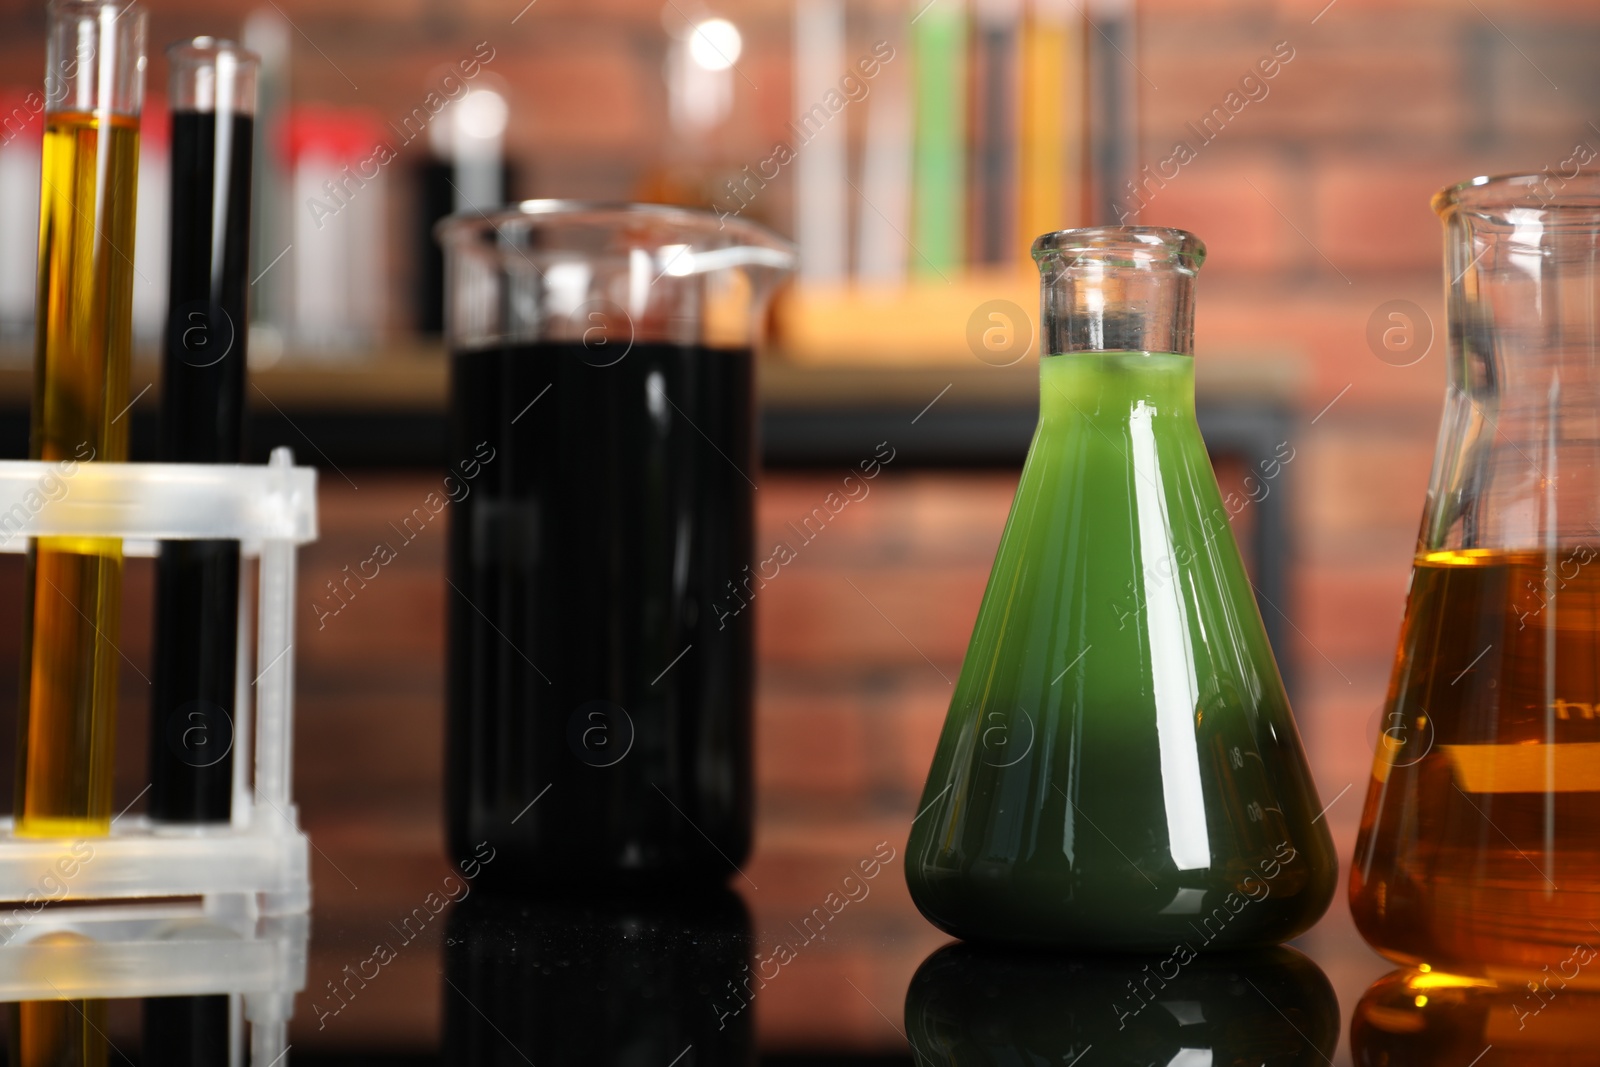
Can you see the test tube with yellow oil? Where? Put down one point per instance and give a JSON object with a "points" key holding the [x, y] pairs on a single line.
{"points": [[94, 88], [58, 1033]]}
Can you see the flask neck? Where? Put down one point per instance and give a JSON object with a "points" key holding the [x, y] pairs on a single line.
{"points": [[1114, 389], [1521, 263], [1117, 289], [1514, 469]]}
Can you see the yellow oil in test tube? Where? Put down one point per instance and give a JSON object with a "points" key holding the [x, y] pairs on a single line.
{"points": [[73, 587]]}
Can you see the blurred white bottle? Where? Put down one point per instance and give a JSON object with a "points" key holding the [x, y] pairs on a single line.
{"points": [[150, 225], [339, 160], [21, 138]]}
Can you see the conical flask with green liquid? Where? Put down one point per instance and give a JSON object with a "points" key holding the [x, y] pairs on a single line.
{"points": [[1119, 767]]}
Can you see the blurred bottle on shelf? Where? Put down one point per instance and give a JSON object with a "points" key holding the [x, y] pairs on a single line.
{"points": [[882, 205], [997, 85], [21, 139], [1053, 121], [940, 186], [969, 125], [1113, 109], [268, 35], [700, 64], [693, 167], [338, 261], [150, 227], [464, 171], [821, 159]]}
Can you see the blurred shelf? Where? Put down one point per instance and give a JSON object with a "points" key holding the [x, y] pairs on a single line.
{"points": [[387, 407], [916, 325], [404, 376], [980, 414], [1267, 376]]}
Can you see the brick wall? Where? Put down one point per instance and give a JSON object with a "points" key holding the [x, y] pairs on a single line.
{"points": [[1313, 201], [1313, 197]]}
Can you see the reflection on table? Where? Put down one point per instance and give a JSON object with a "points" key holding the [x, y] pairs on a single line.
{"points": [[211, 986], [599, 981], [969, 1006], [1428, 1019]]}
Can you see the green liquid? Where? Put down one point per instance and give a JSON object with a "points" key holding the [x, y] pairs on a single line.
{"points": [[1119, 767]]}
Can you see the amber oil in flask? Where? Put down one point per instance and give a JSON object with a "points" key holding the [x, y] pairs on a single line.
{"points": [[1478, 852], [1492, 734]]}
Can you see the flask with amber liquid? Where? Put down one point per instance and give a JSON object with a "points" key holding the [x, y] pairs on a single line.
{"points": [[1479, 848]]}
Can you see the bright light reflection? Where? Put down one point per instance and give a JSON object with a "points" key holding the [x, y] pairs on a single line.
{"points": [[715, 44]]}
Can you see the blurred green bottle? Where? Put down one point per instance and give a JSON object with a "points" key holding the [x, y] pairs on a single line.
{"points": [[1119, 767]]}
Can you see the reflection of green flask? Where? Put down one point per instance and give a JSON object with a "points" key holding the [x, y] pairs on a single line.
{"points": [[1119, 767], [976, 1007]]}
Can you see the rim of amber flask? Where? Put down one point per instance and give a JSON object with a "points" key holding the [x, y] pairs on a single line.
{"points": [[1492, 195]]}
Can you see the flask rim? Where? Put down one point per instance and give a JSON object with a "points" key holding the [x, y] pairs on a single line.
{"points": [[211, 74], [207, 48], [81, 8], [1125, 246], [1491, 195]]}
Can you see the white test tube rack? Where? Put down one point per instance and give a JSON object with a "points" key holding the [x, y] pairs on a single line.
{"points": [[124, 951], [256, 866]]}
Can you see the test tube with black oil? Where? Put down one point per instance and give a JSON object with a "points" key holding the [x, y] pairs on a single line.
{"points": [[193, 700], [193, 713]]}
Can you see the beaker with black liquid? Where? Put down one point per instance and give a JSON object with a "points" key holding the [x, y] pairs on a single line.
{"points": [[602, 476]]}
